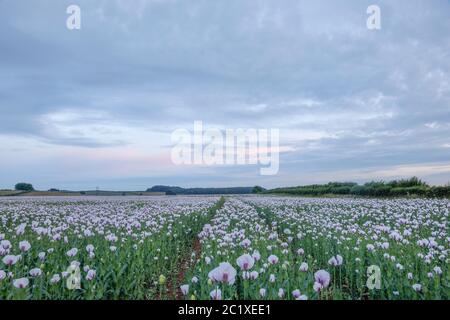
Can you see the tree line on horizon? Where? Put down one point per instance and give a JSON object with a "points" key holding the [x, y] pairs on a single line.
{"points": [[395, 188], [169, 190]]}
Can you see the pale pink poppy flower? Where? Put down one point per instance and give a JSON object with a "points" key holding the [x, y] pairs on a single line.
{"points": [[72, 252], [21, 229], [21, 283], [216, 294], [336, 261], [194, 279], [245, 262], [272, 278], [262, 292], [246, 243], [10, 260], [184, 289], [302, 297], [223, 273], [417, 287], [2, 275], [273, 259], [36, 272], [91, 275], [254, 275], [322, 279], [296, 293], [5, 244], [207, 260], [55, 279], [317, 287], [410, 276], [75, 263], [303, 267], [281, 293], [256, 255], [111, 238], [90, 248], [41, 256], [24, 246], [437, 270], [300, 252], [332, 262]]}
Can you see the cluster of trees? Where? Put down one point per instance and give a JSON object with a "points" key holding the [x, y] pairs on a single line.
{"points": [[258, 189], [22, 186], [404, 187], [192, 191]]}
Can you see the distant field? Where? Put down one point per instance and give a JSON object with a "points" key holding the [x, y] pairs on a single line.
{"points": [[123, 193], [9, 192], [6, 193]]}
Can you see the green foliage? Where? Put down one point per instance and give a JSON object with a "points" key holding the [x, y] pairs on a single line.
{"points": [[406, 183], [439, 192], [258, 189], [22, 186], [413, 187]]}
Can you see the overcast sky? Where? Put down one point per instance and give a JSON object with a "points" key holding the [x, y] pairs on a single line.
{"points": [[96, 107]]}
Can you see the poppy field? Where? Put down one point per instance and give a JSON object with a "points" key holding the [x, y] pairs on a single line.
{"points": [[211, 247]]}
